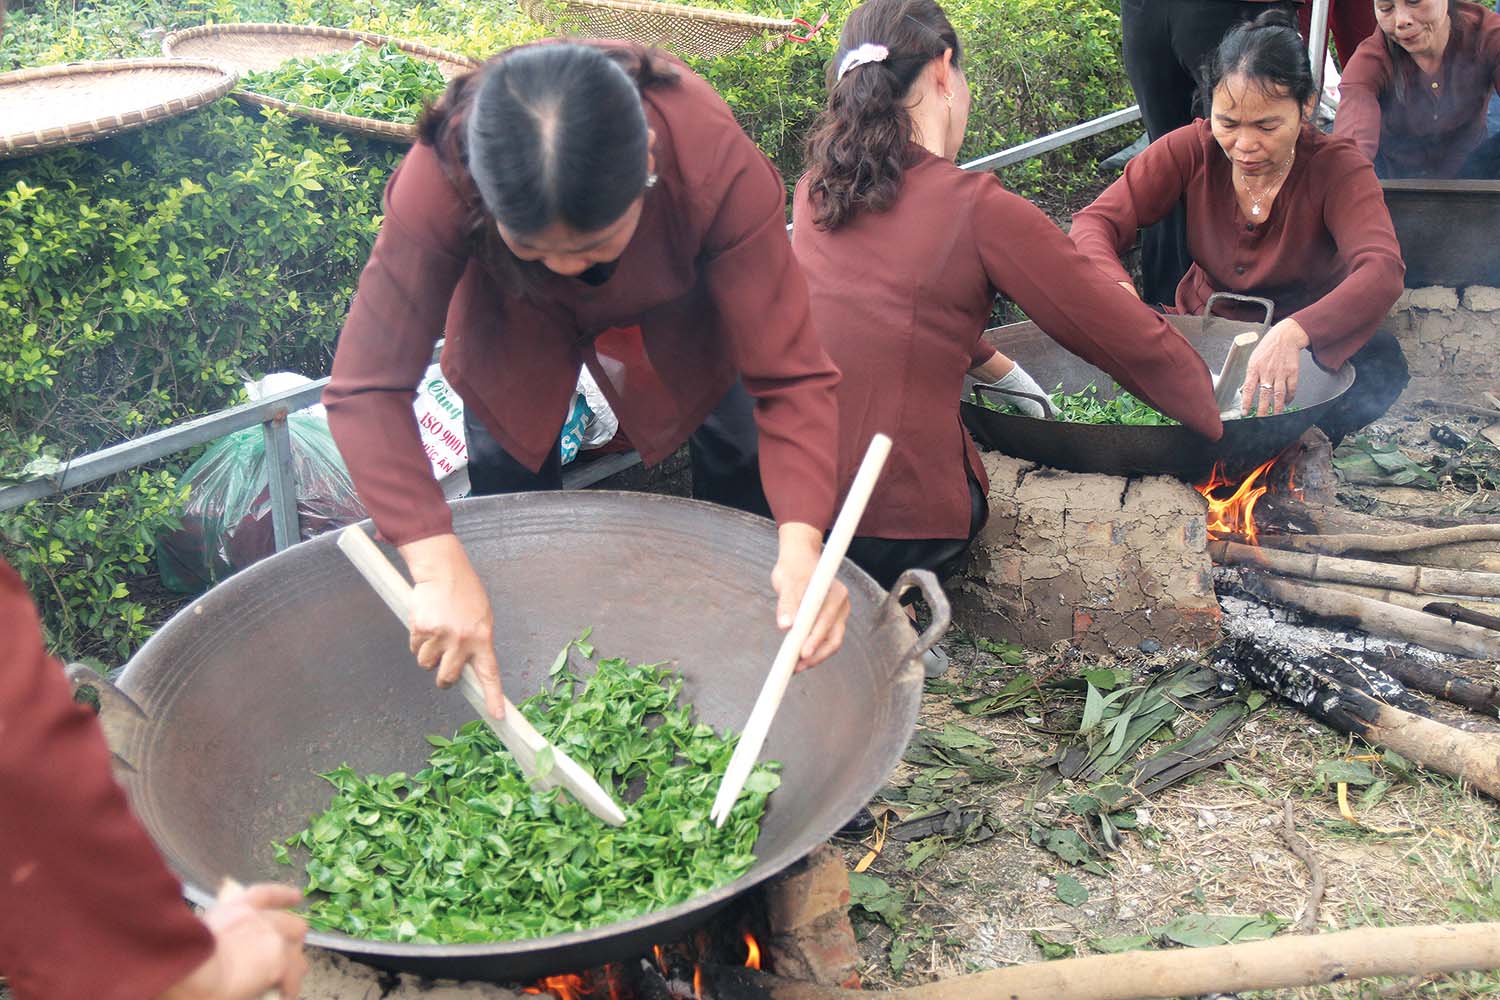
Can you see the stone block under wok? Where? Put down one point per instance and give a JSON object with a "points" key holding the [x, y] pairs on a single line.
{"points": [[1099, 561]]}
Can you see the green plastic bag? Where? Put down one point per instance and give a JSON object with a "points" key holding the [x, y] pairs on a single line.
{"points": [[226, 525]]}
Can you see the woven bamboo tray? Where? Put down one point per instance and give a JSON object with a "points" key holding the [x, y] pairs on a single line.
{"points": [[686, 30], [50, 106], [253, 48]]}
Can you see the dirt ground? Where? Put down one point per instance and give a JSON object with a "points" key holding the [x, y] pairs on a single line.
{"points": [[1419, 850], [1407, 847]]}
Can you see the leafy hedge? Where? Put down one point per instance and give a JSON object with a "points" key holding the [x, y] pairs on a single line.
{"points": [[142, 278]]}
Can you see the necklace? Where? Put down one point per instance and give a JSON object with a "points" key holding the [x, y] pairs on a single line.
{"points": [[1277, 178]]}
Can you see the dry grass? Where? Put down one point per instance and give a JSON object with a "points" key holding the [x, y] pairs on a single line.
{"points": [[1424, 851]]}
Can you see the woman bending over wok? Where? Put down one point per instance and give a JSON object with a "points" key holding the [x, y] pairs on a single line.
{"points": [[1415, 94], [904, 253], [1276, 209], [585, 204]]}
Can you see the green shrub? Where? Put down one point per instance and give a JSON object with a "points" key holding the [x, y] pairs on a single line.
{"points": [[143, 278]]}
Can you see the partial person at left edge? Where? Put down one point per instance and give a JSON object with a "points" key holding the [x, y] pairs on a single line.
{"points": [[88, 907], [585, 203]]}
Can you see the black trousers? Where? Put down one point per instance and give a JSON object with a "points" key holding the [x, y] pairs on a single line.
{"points": [[724, 453], [887, 558], [1166, 44], [1380, 376]]}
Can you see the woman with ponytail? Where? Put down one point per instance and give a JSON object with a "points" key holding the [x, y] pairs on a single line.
{"points": [[904, 253], [1275, 208], [585, 204]]}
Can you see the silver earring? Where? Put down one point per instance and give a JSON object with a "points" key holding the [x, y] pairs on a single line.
{"points": [[650, 181]]}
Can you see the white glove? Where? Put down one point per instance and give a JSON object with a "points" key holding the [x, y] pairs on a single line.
{"points": [[1018, 380]]}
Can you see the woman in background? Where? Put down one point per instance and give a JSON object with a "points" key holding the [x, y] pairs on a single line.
{"points": [[1276, 209], [1415, 95]]}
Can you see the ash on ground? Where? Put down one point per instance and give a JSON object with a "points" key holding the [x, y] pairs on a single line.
{"points": [[1246, 617]]}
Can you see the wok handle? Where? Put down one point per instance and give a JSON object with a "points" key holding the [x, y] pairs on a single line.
{"points": [[983, 387], [119, 716], [932, 592], [1252, 300]]}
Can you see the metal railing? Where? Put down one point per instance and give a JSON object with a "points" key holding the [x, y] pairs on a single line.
{"points": [[271, 412]]}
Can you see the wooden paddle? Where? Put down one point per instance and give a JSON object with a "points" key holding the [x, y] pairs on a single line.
{"points": [[759, 724], [517, 734]]}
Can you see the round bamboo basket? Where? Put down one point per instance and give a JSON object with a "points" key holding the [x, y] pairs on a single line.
{"points": [[254, 48], [46, 107], [685, 30]]}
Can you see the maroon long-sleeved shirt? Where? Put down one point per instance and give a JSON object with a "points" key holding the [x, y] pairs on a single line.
{"points": [[1442, 119], [1326, 254], [706, 290], [87, 907], [901, 298]]}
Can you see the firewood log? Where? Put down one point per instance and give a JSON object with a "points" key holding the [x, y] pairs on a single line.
{"points": [[1409, 541], [1416, 602], [1336, 569]]}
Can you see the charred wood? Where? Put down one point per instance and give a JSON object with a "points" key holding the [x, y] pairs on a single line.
{"points": [[1322, 686], [1438, 681], [1459, 613]]}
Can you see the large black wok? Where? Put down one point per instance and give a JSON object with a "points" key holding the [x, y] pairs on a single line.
{"points": [[294, 666], [1136, 451]]}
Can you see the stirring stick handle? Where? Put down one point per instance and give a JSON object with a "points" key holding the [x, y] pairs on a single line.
{"points": [[514, 729], [769, 700], [386, 580]]}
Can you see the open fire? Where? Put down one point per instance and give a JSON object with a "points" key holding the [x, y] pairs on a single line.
{"points": [[676, 970], [1231, 505]]}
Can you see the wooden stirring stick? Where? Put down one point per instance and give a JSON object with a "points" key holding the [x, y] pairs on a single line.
{"points": [[1231, 377], [759, 724], [517, 734]]}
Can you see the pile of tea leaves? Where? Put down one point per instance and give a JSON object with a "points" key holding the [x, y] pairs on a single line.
{"points": [[467, 850], [383, 83], [1085, 407]]}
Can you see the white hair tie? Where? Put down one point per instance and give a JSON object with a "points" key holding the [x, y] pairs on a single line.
{"points": [[869, 52]]}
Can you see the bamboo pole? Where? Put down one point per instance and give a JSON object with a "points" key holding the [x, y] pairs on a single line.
{"points": [[1377, 617], [1407, 542], [1278, 963], [1400, 598], [1335, 569]]}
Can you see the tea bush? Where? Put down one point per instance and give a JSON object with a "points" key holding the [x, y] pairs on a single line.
{"points": [[143, 278]]}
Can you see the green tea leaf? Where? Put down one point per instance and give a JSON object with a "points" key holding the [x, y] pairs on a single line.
{"points": [[1198, 930], [1126, 942], [1071, 891]]}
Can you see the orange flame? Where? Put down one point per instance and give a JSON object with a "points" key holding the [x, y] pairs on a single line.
{"points": [[561, 987], [752, 961], [1235, 514]]}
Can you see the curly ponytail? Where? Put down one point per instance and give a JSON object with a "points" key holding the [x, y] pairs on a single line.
{"points": [[860, 145]]}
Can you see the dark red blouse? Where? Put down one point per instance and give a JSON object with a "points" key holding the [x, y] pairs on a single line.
{"points": [[1326, 254], [87, 907], [1442, 119], [707, 290], [901, 299]]}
